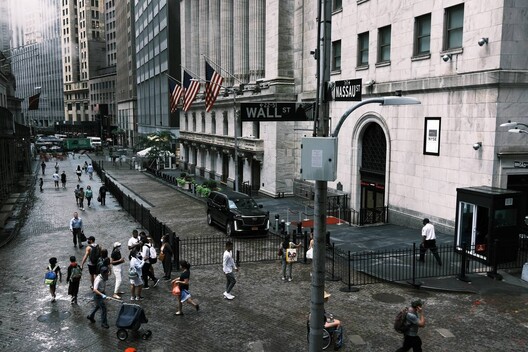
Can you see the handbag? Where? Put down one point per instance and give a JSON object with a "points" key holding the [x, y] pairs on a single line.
{"points": [[176, 289], [309, 253], [291, 255], [99, 199], [161, 256], [83, 237]]}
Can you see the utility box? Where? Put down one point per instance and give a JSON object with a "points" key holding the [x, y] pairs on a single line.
{"points": [[319, 158]]}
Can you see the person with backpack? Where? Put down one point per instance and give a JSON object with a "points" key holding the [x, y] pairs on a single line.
{"points": [[74, 279], [76, 192], [414, 319], [287, 263], [92, 254], [103, 260], [147, 270], [134, 275], [53, 274]]}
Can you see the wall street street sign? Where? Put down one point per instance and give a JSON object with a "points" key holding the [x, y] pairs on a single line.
{"points": [[276, 111]]}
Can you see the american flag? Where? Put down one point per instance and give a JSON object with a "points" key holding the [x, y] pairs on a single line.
{"points": [[33, 102], [175, 93], [191, 88], [212, 87]]}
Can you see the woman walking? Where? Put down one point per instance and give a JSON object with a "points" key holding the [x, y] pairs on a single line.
{"points": [[81, 198], [78, 172], [166, 257], [287, 263], [183, 282], [88, 194]]}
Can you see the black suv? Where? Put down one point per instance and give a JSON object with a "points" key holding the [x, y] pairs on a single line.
{"points": [[237, 212]]}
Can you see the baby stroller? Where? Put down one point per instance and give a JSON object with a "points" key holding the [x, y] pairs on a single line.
{"points": [[130, 317]]}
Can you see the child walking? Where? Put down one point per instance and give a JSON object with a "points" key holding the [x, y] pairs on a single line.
{"points": [[53, 267], [74, 279]]}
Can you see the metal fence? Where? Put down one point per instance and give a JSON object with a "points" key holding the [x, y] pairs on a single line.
{"points": [[403, 265]]}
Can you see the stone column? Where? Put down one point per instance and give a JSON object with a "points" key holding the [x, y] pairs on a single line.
{"points": [[240, 40], [226, 52], [203, 38], [195, 37], [214, 32], [257, 14]]}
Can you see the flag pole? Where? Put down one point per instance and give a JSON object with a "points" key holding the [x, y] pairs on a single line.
{"points": [[221, 68], [177, 81]]}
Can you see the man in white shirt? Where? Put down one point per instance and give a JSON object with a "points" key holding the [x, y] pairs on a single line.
{"points": [[228, 267], [76, 228], [429, 241]]}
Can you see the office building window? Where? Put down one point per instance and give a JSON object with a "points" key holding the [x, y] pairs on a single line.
{"points": [[337, 5], [454, 27], [363, 49], [336, 55], [384, 44], [422, 35]]}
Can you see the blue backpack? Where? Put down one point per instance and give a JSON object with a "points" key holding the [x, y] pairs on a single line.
{"points": [[51, 276]]}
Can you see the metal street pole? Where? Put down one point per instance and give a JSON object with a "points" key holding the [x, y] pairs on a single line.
{"points": [[321, 187], [235, 112]]}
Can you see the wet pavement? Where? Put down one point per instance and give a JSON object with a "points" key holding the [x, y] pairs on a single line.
{"points": [[266, 315]]}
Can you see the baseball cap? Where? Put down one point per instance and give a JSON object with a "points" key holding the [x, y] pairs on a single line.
{"points": [[117, 244]]}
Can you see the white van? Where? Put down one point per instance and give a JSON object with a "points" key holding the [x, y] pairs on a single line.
{"points": [[96, 141]]}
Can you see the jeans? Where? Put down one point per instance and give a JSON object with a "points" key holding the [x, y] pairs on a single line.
{"points": [[99, 304], [231, 281], [117, 274], [76, 236], [286, 267]]}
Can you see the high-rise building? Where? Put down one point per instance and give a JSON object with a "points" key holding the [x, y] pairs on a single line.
{"points": [[126, 72], [36, 61]]}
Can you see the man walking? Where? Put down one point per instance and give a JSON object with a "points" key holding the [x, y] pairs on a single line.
{"points": [[63, 179], [102, 194], [99, 289], [43, 166], [228, 267], [76, 228], [415, 319], [428, 241], [56, 179]]}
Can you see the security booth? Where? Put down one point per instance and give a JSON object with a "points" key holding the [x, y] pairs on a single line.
{"points": [[488, 218]]}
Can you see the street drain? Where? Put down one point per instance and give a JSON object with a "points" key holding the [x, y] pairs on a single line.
{"points": [[53, 317], [388, 298]]}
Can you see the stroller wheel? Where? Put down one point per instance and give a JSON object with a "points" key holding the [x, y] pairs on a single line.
{"points": [[147, 335], [122, 334]]}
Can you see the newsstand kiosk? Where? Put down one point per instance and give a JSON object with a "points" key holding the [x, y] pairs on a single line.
{"points": [[488, 218]]}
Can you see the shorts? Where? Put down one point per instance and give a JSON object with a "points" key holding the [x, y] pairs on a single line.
{"points": [[92, 269], [138, 281]]}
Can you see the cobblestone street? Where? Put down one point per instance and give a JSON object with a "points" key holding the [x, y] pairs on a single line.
{"points": [[266, 315]]}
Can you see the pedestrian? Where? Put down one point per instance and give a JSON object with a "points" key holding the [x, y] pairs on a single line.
{"points": [[74, 279], [43, 166], [147, 270], [55, 272], [166, 257], [91, 258], [134, 275], [76, 228], [428, 242], [81, 198], [76, 192], [56, 179], [103, 260], [134, 243], [102, 194], [90, 171], [415, 319], [41, 183], [99, 289], [88, 194], [309, 252], [287, 258], [228, 267], [63, 179], [183, 283], [78, 172], [117, 260], [57, 167], [85, 167]]}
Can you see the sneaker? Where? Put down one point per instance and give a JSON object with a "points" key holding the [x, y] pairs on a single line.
{"points": [[146, 288], [228, 296], [91, 319], [283, 278], [290, 279], [197, 307], [156, 283], [140, 298], [132, 298], [116, 296]]}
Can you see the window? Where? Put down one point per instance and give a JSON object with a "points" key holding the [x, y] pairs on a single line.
{"points": [[422, 35], [454, 27], [384, 44], [336, 55], [363, 45], [337, 5]]}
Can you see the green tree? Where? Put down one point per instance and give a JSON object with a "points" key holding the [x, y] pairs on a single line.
{"points": [[160, 144]]}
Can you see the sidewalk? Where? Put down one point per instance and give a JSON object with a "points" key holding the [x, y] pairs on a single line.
{"points": [[266, 315]]}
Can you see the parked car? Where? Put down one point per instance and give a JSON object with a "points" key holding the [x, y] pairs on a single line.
{"points": [[237, 212]]}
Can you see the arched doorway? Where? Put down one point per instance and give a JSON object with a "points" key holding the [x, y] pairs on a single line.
{"points": [[372, 173]]}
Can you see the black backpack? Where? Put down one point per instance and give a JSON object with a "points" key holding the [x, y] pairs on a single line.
{"points": [[401, 324], [95, 253]]}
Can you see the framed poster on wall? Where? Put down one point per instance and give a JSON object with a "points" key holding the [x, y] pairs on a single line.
{"points": [[432, 136]]}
